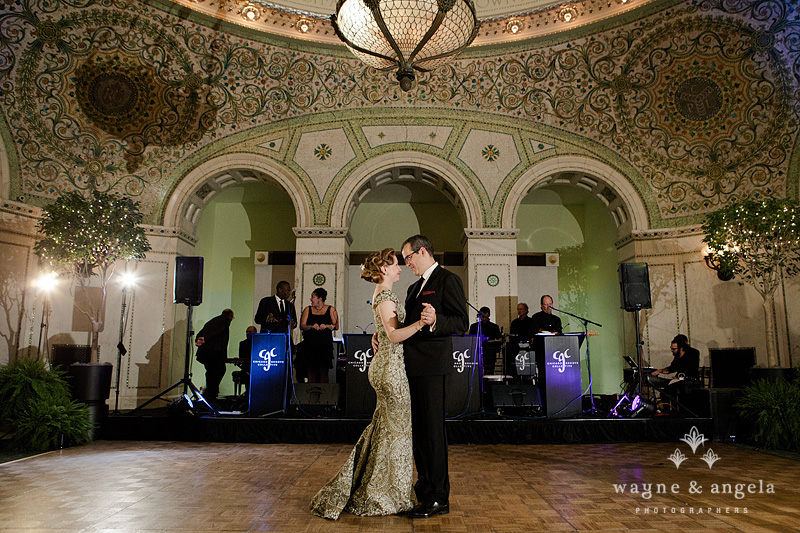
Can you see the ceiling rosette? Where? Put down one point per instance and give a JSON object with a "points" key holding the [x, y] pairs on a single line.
{"points": [[701, 108]]}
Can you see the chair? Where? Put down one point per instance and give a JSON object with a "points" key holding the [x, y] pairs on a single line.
{"points": [[240, 377]]}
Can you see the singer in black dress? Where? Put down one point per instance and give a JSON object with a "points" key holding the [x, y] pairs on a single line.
{"points": [[315, 353]]}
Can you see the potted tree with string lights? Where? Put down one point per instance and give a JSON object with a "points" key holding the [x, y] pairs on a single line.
{"points": [[83, 236], [759, 242]]}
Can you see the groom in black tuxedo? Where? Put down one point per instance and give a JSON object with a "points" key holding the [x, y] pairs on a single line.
{"points": [[429, 362]]}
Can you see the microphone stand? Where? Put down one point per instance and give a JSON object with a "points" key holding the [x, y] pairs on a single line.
{"points": [[364, 330], [585, 322], [479, 349], [290, 370]]}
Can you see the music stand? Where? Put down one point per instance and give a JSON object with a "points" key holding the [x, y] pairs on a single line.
{"points": [[186, 380]]}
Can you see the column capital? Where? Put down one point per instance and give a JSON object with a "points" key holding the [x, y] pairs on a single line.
{"points": [[491, 233], [321, 232]]}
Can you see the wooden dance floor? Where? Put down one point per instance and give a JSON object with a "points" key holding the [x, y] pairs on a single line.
{"points": [[194, 487]]}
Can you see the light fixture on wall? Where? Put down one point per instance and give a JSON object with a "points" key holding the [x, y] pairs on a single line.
{"points": [[405, 35], [304, 25], [251, 12], [514, 26], [567, 14], [724, 272], [716, 262]]}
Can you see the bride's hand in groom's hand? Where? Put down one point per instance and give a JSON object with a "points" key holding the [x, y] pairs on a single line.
{"points": [[428, 316]]}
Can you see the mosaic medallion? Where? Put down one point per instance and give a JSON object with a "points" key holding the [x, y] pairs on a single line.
{"points": [[698, 99], [323, 152], [491, 153], [115, 93], [699, 110], [493, 280], [318, 279]]}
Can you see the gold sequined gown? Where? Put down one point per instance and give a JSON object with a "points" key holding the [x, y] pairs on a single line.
{"points": [[377, 478]]}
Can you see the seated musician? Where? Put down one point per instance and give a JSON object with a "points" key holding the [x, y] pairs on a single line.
{"points": [[685, 365], [491, 337], [245, 347]]}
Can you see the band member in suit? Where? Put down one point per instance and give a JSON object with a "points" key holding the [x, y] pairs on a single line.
{"points": [[521, 326], [490, 341], [274, 312], [429, 362], [545, 320], [212, 351]]}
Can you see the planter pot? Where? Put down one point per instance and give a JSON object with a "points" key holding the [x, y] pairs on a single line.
{"points": [[91, 384], [772, 373]]}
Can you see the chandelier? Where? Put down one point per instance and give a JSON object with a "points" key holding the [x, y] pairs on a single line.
{"points": [[405, 35]]}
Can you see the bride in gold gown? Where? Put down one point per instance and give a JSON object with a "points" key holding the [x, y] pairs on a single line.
{"points": [[377, 478]]}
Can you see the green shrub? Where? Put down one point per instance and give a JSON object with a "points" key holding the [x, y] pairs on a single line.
{"points": [[45, 425], [25, 379], [773, 407], [37, 406]]}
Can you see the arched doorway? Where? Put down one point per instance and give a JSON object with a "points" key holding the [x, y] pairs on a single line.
{"points": [[572, 222], [402, 202], [237, 224]]}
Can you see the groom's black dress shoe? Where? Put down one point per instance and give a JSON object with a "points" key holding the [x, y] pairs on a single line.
{"points": [[427, 510]]}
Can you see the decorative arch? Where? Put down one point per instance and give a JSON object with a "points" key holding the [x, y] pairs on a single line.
{"points": [[200, 185], [407, 166], [608, 184]]}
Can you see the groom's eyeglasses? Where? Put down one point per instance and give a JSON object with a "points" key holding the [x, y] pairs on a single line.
{"points": [[405, 257]]}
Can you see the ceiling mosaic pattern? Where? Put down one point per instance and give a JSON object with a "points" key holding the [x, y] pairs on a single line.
{"points": [[701, 98]]}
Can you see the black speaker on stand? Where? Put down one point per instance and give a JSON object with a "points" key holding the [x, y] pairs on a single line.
{"points": [[634, 293], [188, 291], [188, 280], [634, 284]]}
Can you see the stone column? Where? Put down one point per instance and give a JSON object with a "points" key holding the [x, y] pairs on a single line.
{"points": [[491, 255], [322, 257]]}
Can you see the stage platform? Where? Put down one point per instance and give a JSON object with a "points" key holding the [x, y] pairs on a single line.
{"points": [[478, 428]]}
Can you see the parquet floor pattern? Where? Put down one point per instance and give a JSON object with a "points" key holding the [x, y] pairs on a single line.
{"points": [[116, 486]]}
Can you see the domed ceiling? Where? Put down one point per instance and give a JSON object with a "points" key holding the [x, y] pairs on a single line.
{"points": [[695, 102], [501, 20]]}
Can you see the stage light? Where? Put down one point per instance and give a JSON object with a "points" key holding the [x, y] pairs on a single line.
{"points": [[127, 280], [641, 407], [47, 282]]}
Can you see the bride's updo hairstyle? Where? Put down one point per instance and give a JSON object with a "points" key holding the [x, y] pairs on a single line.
{"points": [[371, 268]]}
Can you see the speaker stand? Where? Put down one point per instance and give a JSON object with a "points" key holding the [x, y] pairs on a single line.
{"points": [[639, 354], [186, 380]]}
